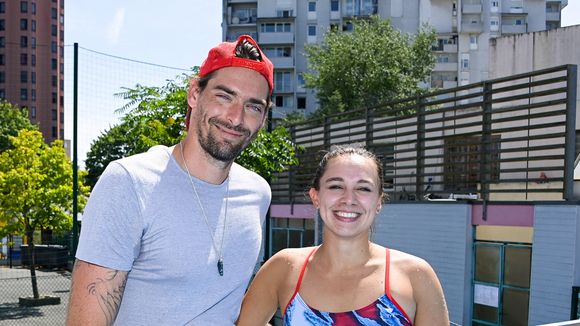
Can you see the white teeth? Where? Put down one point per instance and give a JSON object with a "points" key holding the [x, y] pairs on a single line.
{"points": [[347, 215]]}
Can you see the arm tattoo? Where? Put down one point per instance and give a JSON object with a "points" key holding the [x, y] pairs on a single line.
{"points": [[109, 292]]}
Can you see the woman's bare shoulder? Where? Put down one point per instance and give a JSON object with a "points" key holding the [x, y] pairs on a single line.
{"points": [[289, 258], [409, 263]]}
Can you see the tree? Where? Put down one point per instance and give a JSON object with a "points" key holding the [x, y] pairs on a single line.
{"points": [[156, 116], [35, 190], [368, 66], [12, 120]]}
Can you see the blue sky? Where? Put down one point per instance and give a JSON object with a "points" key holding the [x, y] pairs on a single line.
{"points": [[175, 33]]}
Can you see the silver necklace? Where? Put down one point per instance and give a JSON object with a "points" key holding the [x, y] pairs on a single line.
{"points": [[219, 253]]}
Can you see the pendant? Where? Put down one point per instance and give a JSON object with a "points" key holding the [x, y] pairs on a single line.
{"points": [[220, 266]]}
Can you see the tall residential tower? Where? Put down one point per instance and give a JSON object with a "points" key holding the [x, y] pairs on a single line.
{"points": [[32, 61], [464, 28]]}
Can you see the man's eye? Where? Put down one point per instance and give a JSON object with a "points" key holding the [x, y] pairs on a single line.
{"points": [[365, 189], [333, 187], [256, 108], [223, 96]]}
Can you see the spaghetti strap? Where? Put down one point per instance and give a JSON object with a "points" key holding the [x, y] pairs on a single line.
{"points": [[302, 270], [387, 266]]}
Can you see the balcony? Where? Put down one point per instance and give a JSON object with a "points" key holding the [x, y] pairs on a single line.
{"points": [[282, 62], [471, 27], [471, 8], [445, 66], [450, 48], [513, 29], [552, 16], [276, 38]]}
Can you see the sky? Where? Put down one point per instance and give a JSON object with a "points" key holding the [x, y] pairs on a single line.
{"points": [[172, 33], [175, 33]]}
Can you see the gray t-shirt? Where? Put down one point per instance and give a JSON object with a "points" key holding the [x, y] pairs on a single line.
{"points": [[143, 217]]}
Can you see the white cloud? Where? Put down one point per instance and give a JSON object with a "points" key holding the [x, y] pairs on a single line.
{"points": [[114, 28]]}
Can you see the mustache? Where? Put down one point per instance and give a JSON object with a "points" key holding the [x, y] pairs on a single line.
{"points": [[224, 124]]}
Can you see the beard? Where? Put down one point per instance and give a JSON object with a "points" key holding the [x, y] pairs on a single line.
{"points": [[223, 151]]}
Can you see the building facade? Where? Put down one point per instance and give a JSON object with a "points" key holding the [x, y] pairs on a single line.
{"points": [[464, 27], [32, 61]]}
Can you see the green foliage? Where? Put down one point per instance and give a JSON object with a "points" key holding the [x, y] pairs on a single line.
{"points": [[36, 186], [371, 65], [269, 152], [156, 116], [12, 120]]}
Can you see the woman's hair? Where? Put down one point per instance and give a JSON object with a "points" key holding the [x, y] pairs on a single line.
{"points": [[343, 150]]}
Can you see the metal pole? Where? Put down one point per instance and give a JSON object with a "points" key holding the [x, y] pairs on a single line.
{"points": [[267, 245], [74, 153], [570, 153]]}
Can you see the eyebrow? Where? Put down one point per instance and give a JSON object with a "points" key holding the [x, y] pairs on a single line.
{"points": [[342, 180], [234, 93]]}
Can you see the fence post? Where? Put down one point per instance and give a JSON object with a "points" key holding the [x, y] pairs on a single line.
{"points": [[485, 154], [75, 230], [570, 153], [420, 173]]}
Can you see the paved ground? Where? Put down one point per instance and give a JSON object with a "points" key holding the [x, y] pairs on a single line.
{"points": [[15, 283]]}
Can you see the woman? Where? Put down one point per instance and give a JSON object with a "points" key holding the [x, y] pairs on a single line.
{"points": [[338, 283]]}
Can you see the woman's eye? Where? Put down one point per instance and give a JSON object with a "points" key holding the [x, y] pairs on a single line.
{"points": [[332, 187], [365, 189]]}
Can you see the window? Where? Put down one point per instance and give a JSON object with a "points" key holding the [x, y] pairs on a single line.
{"points": [[54, 114], [54, 64], [284, 101], [23, 59], [283, 81], [284, 13], [473, 42], [23, 24], [23, 6], [518, 22], [62, 19], [334, 5], [33, 42], [2, 60], [291, 233], [465, 63], [2, 77], [2, 7], [462, 169], [54, 132], [24, 76], [33, 60], [311, 30], [284, 52], [2, 42], [54, 98], [24, 94], [495, 4], [33, 77], [301, 103], [33, 112], [311, 6], [53, 13], [2, 25], [33, 95], [33, 25], [33, 8], [23, 41], [275, 28], [53, 30], [2, 94], [53, 47], [360, 7], [54, 80]]}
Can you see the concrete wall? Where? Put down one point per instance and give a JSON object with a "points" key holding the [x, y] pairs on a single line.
{"points": [[510, 55], [442, 235], [555, 262]]}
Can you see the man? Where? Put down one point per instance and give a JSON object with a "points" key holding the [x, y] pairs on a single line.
{"points": [[171, 236]]}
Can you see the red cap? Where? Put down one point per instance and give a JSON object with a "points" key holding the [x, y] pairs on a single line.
{"points": [[224, 55]]}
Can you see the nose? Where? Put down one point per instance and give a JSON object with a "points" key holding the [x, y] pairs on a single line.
{"points": [[235, 113], [349, 197]]}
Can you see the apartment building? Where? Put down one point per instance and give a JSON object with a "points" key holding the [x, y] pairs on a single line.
{"points": [[32, 61], [464, 28]]}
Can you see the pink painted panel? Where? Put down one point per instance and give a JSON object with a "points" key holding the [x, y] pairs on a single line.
{"points": [[503, 215], [293, 211]]}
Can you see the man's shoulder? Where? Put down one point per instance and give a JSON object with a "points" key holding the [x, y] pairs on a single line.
{"points": [[240, 172]]}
